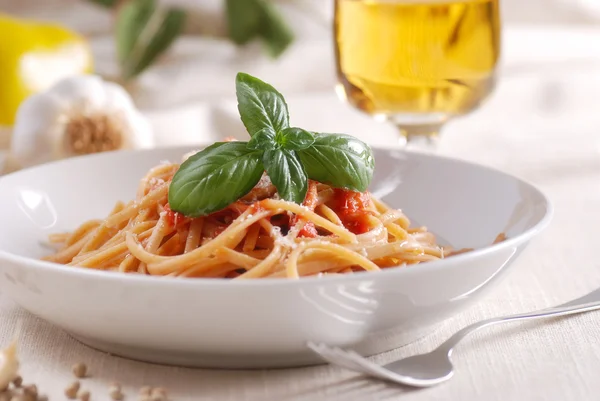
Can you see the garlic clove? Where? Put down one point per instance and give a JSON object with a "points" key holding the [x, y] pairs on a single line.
{"points": [[31, 142], [9, 365], [85, 91], [140, 130], [117, 97]]}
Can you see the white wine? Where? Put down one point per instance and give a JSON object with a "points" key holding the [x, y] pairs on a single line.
{"points": [[416, 58]]}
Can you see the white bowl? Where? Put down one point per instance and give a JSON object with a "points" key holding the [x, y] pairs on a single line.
{"points": [[260, 323]]}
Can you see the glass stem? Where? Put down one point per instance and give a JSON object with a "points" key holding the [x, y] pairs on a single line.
{"points": [[422, 137]]}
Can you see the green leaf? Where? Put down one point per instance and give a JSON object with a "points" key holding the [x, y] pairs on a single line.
{"points": [[243, 20], [294, 138], [214, 178], [339, 160], [105, 3], [263, 140], [143, 32], [248, 19], [275, 32], [260, 105], [287, 174]]}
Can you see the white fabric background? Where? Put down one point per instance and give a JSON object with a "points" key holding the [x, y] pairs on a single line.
{"points": [[542, 124]]}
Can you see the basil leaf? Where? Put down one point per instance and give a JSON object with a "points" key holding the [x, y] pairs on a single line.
{"points": [[144, 30], [247, 19], [243, 20], [287, 174], [260, 105], [294, 138], [339, 160], [263, 140], [275, 32], [214, 178]]}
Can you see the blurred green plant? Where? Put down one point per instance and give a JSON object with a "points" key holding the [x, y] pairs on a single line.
{"points": [[249, 19], [106, 3], [144, 29]]}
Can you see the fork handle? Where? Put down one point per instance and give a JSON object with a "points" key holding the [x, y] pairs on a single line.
{"points": [[587, 303]]}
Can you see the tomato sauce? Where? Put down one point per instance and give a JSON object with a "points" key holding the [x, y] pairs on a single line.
{"points": [[309, 230], [239, 207], [257, 207], [352, 208], [172, 217], [310, 201], [225, 216]]}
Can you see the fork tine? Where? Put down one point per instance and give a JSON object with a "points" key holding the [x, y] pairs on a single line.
{"points": [[324, 352], [376, 370], [353, 361], [366, 363], [357, 364], [366, 366], [342, 355], [334, 356], [341, 363]]}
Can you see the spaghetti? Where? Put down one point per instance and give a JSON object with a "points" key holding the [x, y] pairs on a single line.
{"points": [[334, 231]]}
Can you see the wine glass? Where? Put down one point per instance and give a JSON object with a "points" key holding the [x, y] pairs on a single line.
{"points": [[416, 63]]}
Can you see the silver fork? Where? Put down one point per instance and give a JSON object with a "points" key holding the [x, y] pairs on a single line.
{"points": [[435, 367]]}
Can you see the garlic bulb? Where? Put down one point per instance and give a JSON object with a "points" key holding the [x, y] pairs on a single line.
{"points": [[9, 365], [79, 115]]}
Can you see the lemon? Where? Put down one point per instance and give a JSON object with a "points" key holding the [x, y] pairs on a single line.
{"points": [[33, 56]]}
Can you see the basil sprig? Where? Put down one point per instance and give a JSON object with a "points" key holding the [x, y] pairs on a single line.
{"points": [[226, 171]]}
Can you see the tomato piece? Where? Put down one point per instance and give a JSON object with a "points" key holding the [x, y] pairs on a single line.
{"points": [[350, 202], [352, 208], [358, 223], [172, 217], [310, 202], [309, 230]]}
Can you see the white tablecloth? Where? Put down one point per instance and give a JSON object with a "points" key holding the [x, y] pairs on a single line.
{"points": [[542, 124]]}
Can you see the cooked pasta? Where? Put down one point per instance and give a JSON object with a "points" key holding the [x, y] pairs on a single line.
{"points": [[334, 231]]}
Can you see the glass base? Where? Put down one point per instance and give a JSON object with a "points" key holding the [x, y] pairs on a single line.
{"points": [[419, 132], [425, 142], [421, 138]]}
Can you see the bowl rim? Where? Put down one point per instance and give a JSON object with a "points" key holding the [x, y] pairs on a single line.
{"points": [[431, 266]]}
